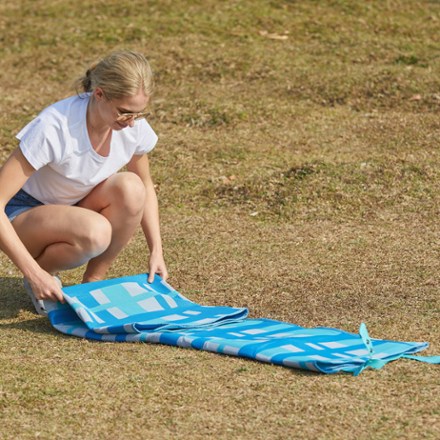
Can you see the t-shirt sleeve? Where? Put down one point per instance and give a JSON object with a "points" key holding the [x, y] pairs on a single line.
{"points": [[147, 138], [37, 142]]}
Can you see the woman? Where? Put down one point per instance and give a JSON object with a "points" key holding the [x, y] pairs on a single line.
{"points": [[64, 203]]}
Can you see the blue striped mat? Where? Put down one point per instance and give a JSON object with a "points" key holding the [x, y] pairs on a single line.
{"points": [[129, 309]]}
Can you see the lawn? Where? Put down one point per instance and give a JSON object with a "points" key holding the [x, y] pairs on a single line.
{"points": [[298, 175]]}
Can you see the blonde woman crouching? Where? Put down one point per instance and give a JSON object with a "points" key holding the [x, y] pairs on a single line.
{"points": [[63, 201]]}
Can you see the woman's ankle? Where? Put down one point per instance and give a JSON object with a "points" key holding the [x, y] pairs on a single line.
{"points": [[91, 278]]}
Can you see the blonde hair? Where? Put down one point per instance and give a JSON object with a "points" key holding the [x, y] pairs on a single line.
{"points": [[119, 74]]}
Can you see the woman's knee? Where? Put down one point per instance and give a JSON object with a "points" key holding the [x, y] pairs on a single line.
{"points": [[94, 235], [129, 191]]}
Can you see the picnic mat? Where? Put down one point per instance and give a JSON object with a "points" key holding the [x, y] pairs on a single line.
{"points": [[129, 309]]}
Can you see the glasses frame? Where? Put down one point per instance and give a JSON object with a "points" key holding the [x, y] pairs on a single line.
{"points": [[127, 116], [124, 117]]}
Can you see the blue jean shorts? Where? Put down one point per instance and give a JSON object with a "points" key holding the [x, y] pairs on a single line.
{"points": [[20, 203]]}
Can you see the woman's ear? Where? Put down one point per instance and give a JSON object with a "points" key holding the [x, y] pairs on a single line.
{"points": [[98, 93]]}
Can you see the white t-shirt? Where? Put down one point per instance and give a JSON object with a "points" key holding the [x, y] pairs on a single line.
{"points": [[57, 145]]}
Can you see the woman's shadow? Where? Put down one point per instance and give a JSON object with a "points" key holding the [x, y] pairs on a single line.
{"points": [[13, 302]]}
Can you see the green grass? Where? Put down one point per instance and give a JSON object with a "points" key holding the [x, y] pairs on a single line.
{"points": [[297, 177]]}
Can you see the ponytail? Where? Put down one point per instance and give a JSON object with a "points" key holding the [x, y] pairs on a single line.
{"points": [[84, 84]]}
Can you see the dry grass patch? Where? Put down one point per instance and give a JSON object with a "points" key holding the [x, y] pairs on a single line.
{"points": [[297, 173]]}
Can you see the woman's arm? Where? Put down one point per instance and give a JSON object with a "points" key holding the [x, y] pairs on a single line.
{"points": [[150, 220], [13, 175]]}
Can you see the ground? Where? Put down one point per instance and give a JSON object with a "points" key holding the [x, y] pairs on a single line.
{"points": [[297, 173]]}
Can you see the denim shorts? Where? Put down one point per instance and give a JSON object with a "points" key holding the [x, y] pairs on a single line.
{"points": [[20, 203]]}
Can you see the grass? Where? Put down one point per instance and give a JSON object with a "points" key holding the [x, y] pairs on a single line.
{"points": [[297, 173]]}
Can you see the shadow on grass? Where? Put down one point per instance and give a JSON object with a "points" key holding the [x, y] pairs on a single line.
{"points": [[13, 299], [38, 324]]}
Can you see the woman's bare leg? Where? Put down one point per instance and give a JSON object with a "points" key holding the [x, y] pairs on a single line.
{"points": [[121, 200], [62, 237]]}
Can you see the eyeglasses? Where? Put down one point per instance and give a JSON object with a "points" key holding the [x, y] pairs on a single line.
{"points": [[125, 117], [128, 116]]}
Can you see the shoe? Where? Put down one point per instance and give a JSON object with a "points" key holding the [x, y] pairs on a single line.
{"points": [[38, 303]]}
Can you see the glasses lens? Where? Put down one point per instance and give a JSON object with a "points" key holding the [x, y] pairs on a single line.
{"points": [[125, 117]]}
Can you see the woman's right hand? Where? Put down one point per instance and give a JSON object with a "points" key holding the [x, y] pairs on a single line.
{"points": [[46, 286]]}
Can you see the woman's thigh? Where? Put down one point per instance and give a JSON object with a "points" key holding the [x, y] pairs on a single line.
{"points": [[124, 189], [44, 225]]}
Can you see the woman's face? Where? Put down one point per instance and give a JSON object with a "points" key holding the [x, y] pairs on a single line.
{"points": [[122, 112]]}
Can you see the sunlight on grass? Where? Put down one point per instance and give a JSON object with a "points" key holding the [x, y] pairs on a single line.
{"points": [[297, 173]]}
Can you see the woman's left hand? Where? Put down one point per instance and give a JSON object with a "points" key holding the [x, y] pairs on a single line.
{"points": [[157, 265]]}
